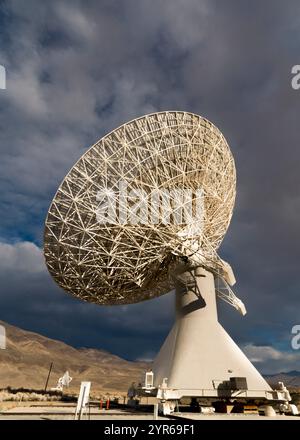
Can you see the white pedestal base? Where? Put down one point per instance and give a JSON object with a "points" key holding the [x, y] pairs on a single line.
{"points": [[198, 358]]}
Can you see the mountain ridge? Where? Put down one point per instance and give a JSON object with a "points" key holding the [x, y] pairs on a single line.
{"points": [[25, 363]]}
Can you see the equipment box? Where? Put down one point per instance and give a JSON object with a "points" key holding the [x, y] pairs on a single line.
{"points": [[238, 383]]}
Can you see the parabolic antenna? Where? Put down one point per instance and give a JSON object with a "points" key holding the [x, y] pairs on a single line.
{"points": [[145, 210], [156, 189]]}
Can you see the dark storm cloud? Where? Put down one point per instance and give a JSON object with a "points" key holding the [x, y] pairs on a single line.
{"points": [[78, 69]]}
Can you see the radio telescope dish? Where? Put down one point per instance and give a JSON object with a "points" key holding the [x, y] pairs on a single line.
{"points": [[112, 234], [144, 211]]}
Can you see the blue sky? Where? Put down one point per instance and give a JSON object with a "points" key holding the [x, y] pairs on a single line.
{"points": [[76, 70]]}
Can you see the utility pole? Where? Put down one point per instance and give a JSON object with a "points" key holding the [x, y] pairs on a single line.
{"points": [[51, 365]]}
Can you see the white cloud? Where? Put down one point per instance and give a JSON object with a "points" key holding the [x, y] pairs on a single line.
{"points": [[270, 360], [25, 91], [148, 356], [21, 257], [77, 22]]}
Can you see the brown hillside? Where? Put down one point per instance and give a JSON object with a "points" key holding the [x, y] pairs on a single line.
{"points": [[26, 360]]}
